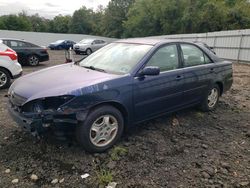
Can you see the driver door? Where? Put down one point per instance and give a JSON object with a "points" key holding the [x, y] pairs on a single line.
{"points": [[154, 95]]}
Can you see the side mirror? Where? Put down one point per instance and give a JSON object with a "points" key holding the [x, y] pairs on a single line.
{"points": [[150, 71]]}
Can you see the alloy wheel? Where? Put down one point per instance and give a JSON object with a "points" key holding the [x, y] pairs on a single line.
{"points": [[33, 60], [104, 130], [213, 98], [3, 79]]}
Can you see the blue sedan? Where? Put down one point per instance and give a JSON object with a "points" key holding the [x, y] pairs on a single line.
{"points": [[61, 45], [120, 85]]}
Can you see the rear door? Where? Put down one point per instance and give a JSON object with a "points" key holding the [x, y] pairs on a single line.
{"points": [[95, 45], [198, 70], [157, 94], [20, 49]]}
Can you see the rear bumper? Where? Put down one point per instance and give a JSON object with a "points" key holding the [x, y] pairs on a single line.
{"points": [[44, 58], [18, 75], [15, 69], [228, 84]]}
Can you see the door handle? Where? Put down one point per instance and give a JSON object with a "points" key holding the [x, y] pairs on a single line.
{"points": [[179, 77]]}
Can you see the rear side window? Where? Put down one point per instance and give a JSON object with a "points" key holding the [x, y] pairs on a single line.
{"points": [[193, 56], [14, 43], [166, 58], [5, 42]]}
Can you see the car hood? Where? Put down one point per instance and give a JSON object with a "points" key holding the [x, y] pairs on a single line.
{"points": [[67, 79]]}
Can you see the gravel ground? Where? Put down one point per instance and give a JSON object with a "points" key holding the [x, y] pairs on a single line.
{"points": [[186, 149]]}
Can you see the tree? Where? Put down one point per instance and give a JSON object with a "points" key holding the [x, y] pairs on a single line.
{"points": [[81, 21], [212, 16], [238, 15], [14, 22], [115, 15], [60, 24], [97, 21], [39, 24], [137, 18], [143, 19]]}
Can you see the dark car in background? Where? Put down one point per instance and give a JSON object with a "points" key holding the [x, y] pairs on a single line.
{"points": [[61, 45], [123, 83], [28, 53]]}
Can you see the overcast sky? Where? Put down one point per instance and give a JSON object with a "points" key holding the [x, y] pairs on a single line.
{"points": [[47, 8]]}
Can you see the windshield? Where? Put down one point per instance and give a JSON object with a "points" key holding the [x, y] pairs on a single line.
{"points": [[117, 58], [86, 41], [59, 41]]}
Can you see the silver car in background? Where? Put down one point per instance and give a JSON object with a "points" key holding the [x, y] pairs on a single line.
{"points": [[88, 46]]}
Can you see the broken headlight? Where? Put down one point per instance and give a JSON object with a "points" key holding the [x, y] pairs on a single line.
{"points": [[46, 104]]}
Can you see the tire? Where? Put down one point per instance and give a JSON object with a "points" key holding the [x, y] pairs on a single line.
{"points": [[33, 60], [105, 121], [211, 100], [5, 79], [88, 51]]}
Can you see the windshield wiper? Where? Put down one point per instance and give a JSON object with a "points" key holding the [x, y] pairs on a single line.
{"points": [[94, 68]]}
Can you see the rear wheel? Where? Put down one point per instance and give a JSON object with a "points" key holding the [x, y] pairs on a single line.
{"points": [[4, 79], [33, 60], [211, 100], [101, 129]]}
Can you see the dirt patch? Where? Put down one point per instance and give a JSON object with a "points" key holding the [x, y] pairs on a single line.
{"points": [[186, 149]]}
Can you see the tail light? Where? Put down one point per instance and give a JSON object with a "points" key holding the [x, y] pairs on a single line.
{"points": [[10, 53]]}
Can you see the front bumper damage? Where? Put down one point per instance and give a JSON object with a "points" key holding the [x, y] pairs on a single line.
{"points": [[39, 123]]}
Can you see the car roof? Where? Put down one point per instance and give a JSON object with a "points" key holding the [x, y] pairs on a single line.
{"points": [[147, 41], [13, 39]]}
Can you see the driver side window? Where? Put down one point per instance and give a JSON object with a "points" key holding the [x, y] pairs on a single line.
{"points": [[166, 58]]}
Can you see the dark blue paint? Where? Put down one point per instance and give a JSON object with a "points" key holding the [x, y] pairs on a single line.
{"points": [[141, 98], [65, 44]]}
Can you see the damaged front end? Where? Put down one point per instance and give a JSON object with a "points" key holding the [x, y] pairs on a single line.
{"points": [[40, 115]]}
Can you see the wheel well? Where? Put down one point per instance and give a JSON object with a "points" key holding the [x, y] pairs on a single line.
{"points": [[7, 71], [118, 106], [33, 55], [220, 86]]}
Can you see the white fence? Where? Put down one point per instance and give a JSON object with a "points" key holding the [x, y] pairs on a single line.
{"points": [[44, 39], [232, 45]]}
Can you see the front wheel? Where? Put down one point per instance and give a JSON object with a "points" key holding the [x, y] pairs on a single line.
{"points": [[211, 100], [101, 129], [4, 79], [33, 60]]}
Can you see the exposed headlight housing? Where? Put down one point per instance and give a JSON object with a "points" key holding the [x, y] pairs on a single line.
{"points": [[49, 103]]}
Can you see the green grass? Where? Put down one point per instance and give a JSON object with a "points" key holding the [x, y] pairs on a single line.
{"points": [[117, 152], [104, 177], [199, 114]]}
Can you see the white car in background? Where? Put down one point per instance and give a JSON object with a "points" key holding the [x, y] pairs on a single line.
{"points": [[88, 46], [9, 66]]}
